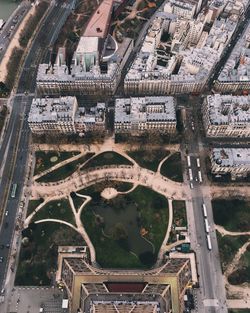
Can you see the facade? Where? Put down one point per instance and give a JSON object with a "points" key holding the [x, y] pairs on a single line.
{"points": [[235, 75], [53, 115], [226, 116], [186, 61], [62, 115], [161, 289], [145, 114], [233, 161]]}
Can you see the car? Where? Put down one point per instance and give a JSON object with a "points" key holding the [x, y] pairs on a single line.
{"points": [[6, 213], [7, 245], [1, 259]]}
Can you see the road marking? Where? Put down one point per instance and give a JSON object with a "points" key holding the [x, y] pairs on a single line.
{"points": [[211, 302]]}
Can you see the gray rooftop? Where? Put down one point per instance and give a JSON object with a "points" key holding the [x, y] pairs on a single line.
{"points": [[232, 157], [228, 109], [145, 109]]}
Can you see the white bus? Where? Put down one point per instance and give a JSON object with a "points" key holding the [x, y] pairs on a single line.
{"points": [[209, 245], [206, 226], [190, 174], [200, 178], [204, 210], [189, 161], [198, 162]]}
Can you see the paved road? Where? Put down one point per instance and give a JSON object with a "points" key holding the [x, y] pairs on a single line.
{"points": [[211, 296], [9, 29], [14, 149]]}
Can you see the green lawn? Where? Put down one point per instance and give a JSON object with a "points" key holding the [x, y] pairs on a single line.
{"points": [[150, 213], [64, 171], [232, 214], [149, 159], [239, 311], [172, 168], [38, 256], [47, 159], [179, 212], [228, 247], [33, 204], [242, 274], [57, 209], [107, 158]]}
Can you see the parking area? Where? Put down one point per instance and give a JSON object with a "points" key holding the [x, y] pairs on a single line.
{"points": [[30, 300]]}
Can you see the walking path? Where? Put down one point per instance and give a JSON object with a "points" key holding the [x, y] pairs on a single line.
{"points": [[126, 173], [170, 222], [225, 232]]}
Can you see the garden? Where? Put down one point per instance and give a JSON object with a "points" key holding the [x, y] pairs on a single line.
{"points": [[172, 168]]}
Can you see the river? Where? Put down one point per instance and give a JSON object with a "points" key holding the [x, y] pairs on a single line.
{"points": [[6, 8]]}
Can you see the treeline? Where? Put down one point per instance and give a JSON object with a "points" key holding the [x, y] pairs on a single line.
{"points": [[32, 23], [12, 67]]}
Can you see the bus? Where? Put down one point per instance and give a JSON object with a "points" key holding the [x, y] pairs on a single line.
{"points": [[13, 191], [209, 245], [200, 177], [190, 174], [206, 226], [204, 210], [189, 161], [198, 162]]}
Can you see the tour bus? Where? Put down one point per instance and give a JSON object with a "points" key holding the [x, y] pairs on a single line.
{"points": [[204, 210], [209, 245], [200, 177], [206, 225], [198, 162], [190, 174], [189, 161], [13, 191]]}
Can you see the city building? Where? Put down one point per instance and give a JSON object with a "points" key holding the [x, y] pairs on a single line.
{"points": [[145, 114], [62, 115], [226, 116], [233, 161], [179, 53], [235, 75], [92, 289], [96, 65]]}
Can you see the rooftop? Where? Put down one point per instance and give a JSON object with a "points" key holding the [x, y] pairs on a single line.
{"points": [[145, 109], [99, 22], [231, 157], [228, 109]]}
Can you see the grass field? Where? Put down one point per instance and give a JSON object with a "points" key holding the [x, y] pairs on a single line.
{"points": [[57, 209], [107, 158], [33, 204], [141, 209], [179, 212], [172, 168], [242, 274], [47, 159], [232, 214], [64, 171], [239, 311], [149, 159], [228, 247], [38, 255]]}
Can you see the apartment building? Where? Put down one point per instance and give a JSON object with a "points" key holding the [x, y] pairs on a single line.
{"points": [[186, 61], [145, 114], [49, 115], [235, 75], [233, 161], [62, 115], [226, 116]]}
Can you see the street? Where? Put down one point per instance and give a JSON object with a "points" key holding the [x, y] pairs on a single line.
{"points": [[15, 146]]}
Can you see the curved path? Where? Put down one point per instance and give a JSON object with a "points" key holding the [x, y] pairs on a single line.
{"points": [[225, 232], [133, 174]]}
